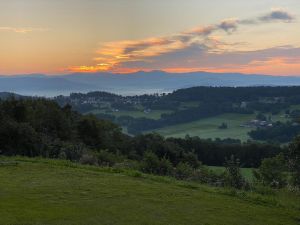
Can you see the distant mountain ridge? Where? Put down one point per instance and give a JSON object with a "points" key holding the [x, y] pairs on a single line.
{"points": [[133, 83], [6, 95]]}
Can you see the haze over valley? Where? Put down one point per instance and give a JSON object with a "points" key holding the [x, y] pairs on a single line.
{"points": [[133, 83]]}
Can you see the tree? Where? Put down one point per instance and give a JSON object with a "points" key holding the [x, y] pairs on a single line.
{"points": [[152, 164], [294, 161], [223, 126], [272, 172], [261, 116], [233, 176]]}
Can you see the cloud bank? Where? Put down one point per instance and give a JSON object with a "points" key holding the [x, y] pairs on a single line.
{"points": [[195, 49]]}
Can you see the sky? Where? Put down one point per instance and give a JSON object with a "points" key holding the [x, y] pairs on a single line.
{"points": [[123, 36]]}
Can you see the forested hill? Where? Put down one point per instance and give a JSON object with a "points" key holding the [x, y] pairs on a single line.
{"points": [[289, 95], [6, 95], [274, 110], [234, 94], [273, 106], [40, 127]]}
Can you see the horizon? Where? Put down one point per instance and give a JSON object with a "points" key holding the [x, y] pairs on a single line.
{"points": [[65, 37], [142, 71]]}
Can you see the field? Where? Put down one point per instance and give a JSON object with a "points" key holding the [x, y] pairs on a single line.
{"points": [[204, 128], [39, 191], [208, 128]]}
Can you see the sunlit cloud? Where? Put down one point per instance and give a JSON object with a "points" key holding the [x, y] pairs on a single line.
{"points": [[273, 66], [21, 30], [183, 51]]}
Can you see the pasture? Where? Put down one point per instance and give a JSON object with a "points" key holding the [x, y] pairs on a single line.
{"points": [[208, 128], [40, 191]]}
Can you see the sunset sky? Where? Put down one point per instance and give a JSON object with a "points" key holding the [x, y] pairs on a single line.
{"points": [[66, 36]]}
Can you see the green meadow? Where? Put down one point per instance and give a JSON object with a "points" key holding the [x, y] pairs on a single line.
{"points": [[40, 191], [208, 128], [204, 128]]}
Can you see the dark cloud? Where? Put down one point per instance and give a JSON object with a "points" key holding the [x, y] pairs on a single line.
{"points": [[142, 45], [199, 56], [229, 25], [278, 15]]}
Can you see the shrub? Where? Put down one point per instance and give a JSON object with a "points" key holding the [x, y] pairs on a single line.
{"points": [[165, 167], [88, 159], [272, 172], [184, 171], [106, 158], [152, 164], [207, 176]]}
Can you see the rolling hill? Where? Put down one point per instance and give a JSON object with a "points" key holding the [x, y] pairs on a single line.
{"points": [[40, 191]]}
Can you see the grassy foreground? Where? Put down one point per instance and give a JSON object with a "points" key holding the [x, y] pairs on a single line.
{"points": [[38, 191]]}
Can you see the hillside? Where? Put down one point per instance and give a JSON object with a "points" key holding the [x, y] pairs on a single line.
{"points": [[133, 83], [6, 95], [36, 191]]}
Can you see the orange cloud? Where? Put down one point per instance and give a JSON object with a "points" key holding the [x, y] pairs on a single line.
{"points": [[114, 56], [272, 66], [22, 30], [90, 69]]}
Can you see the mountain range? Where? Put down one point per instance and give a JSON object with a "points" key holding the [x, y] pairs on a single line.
{"points": [[133, 83]]}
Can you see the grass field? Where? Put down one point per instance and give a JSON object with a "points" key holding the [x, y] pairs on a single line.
{"points": [[36, 191], [295, 107], [208, 128]]}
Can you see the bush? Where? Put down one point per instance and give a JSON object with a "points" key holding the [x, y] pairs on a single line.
{"points": [[272, 172], [207, 176], [106, 158], [165, 167], [184, 171], [88, 159], [152, 164], [223, 126], [72, 151]]}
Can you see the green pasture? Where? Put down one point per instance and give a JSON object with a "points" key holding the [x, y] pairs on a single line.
{"points": [[45, 192]]}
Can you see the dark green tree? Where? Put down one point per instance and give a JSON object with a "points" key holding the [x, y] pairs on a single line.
{"points": [[272, 172], [233, 176], [294, 162]]}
